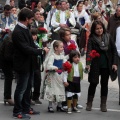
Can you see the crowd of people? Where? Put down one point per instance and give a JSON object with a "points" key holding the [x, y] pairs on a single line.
{"points": [[41, 43]]}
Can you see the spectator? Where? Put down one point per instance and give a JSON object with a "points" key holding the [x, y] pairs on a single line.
{"points": [[6, 19], [39, 7], [24, 64], [104, 65]]}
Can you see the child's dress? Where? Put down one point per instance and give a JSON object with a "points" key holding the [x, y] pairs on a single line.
{"points": [[54, 90], [66, 50], [74, 78]]}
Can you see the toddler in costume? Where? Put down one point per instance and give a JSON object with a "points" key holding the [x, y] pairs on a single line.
{"points": [[72, 81], [54, 90]]}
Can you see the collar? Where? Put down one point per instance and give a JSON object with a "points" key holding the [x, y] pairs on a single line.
{"points": [[22, 25]]}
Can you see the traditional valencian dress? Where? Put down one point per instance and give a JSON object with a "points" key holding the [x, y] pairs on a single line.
{"points": [[74, 78], [54, 90], [83, 18]]}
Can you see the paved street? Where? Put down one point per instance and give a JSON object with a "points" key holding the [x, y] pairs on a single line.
{"points": [[112, 114], [112, 104]]}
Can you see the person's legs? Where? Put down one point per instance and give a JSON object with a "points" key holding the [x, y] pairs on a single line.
{"points": [[26, 97], [104, 88], [50, 108], [75, 99], [8, 72], [91, 93], [119, 77], [69, 104], [22, 83], [37, 84]]}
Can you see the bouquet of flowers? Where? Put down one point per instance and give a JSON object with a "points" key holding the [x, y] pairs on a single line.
{"points": [[41, 34], [72, 47], [93, 54], [67, 66]]}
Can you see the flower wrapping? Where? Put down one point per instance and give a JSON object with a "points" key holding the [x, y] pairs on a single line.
{"points": [[41, 34], [67, 66], [72, 47]]}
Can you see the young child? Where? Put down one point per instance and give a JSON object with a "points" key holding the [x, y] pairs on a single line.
{"points": [[72, 81], [55, 90], [37, 74], [65, 35]]}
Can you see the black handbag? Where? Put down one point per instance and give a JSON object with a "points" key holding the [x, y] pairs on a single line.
{"points": [[113, 75]]}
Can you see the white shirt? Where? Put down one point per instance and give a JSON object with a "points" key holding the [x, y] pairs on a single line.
{"points": [[118, 40], [22, 25], [55, 24], [82, 14]]}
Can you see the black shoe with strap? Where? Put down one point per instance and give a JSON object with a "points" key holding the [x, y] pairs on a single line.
{"points": [[60, 109]]}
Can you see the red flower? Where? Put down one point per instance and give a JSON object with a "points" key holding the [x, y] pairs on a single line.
{"points": [[88, 59], [94, 54], [42, 30], [67, 66], [97, 55], [7, 30], [72, 47]]}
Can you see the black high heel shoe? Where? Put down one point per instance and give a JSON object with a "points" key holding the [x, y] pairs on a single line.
{"points": [[60, 109], [50, 109]]}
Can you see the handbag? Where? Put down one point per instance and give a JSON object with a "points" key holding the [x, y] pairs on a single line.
{"points": [[113, 75]]}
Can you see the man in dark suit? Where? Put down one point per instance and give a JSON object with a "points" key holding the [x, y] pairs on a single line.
{"points": [[23, 63]]}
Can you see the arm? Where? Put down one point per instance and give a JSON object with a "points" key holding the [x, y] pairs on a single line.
{"points": [[89, 48], [23, 45], [65, 76], [73, 19], [114, 52]]}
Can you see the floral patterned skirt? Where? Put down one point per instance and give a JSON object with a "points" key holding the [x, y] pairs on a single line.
{"points": [[53, 88]]}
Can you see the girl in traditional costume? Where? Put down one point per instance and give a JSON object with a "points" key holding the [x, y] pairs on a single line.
{"points": [[72, 81], [65, 35], [54, 91]]}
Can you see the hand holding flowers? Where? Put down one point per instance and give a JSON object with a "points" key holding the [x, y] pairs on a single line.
{"points": [[93, 54]]}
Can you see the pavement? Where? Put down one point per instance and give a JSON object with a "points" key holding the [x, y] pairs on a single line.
{"points": [[112, 105]]}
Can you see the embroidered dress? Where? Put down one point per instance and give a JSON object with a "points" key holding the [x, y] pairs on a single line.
{"points": [[74, 78], [53, 88], [82, 17]]}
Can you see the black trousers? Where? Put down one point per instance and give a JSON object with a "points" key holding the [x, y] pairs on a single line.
{"points": [[7, 69], [104, 73], [36, 85]]}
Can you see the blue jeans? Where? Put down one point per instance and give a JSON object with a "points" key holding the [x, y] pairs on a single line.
{"points": [[119, 76], [22, 92]]}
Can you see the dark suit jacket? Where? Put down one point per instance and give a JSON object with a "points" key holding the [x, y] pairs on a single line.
{"points": [[34, 25]]}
